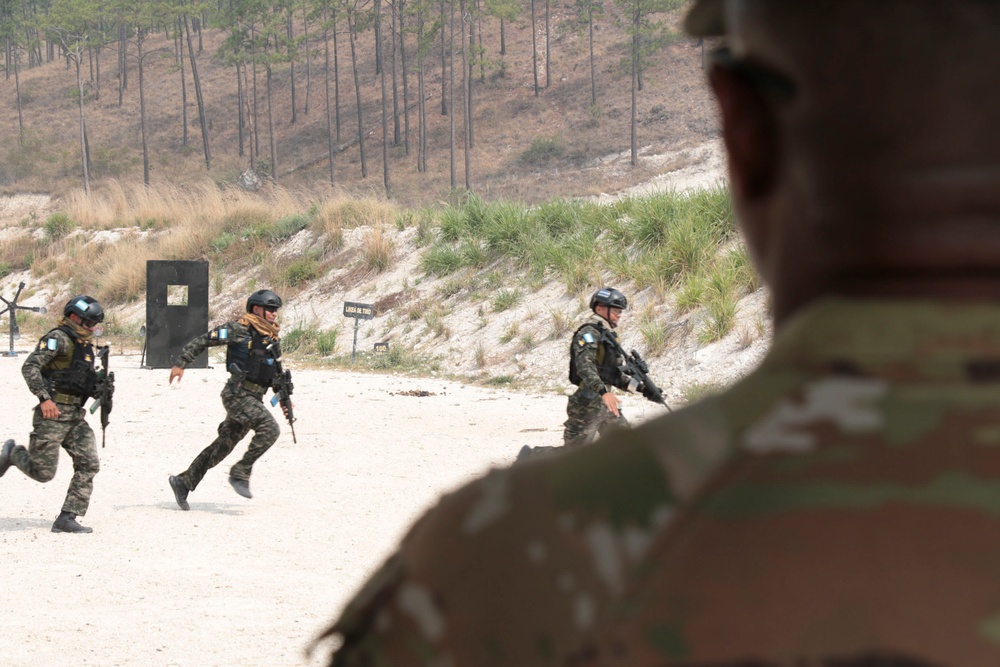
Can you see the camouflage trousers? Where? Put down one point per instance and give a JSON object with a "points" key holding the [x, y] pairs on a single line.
{"points": [[588, 416], [70, 431], [245, 412]]}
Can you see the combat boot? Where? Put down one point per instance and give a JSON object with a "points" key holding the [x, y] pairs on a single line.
{"points": [[66, 523], [180, 492], [5, 461], [241, 486]]}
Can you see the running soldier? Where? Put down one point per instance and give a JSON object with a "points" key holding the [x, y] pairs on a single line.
{"points": [[252, 354], [60, 372]]}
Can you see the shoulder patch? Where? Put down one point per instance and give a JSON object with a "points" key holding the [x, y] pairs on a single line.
{"points": [[223, 334], [51, 343], [589, 337]]}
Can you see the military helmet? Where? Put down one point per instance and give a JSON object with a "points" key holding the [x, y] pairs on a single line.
{"points": [[265, 298], [608, 296], [86, 308]]}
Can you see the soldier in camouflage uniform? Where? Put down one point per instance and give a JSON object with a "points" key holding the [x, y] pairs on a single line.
{"points": [[60, 373], [836, 508], [594, 367], [252, 354]]}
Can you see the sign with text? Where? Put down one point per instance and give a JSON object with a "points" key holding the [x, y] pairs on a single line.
{"points": [[381, 348], [360, 311]]}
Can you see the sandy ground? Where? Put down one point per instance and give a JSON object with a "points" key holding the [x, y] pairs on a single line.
{"points": [[236, 581]]}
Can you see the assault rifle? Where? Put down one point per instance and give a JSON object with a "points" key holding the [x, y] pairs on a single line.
{"points": [[282, 387], [105, 391], [635, 366]]}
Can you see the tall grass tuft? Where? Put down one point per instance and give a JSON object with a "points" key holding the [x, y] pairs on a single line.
{"points": [[377, 250]]}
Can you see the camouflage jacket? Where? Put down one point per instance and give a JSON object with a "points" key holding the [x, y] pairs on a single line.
{"points": [[212, 338], [44, 354], [838, 506], [589, 353]]}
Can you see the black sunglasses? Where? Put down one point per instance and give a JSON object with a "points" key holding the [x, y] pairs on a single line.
{"points": [[767, 80]]}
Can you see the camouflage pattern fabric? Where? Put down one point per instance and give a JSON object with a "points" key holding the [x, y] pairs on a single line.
{"points": [[588, 416], [839, 506], [69, 431], [234, 331], [245, 412], [586, 411], [40, 459]]}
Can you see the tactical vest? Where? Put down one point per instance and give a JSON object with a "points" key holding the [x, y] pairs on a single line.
{"points": [[252, 355], [73, 372], [607, 364]]}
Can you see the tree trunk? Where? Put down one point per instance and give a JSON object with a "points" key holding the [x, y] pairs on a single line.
{"points": [[202, 120], [503, 37], [184, 93], [291, 67], [97, 73], [534, 48], [633, 125], [83, 129], [241, 120], [122, 69], [444, 68], [256, 116], [17, 93], [142, 109], [326, 87], [305, 31], [467, 89], [385, 104], [336, 75], [396, 130], [593, 66], [548, 33], [421, 106], [357, 93], [470, 130], [270, 129], [251, 122], [451, 58], [406, 93]]}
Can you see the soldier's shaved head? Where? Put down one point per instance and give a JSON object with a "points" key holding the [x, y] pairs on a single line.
{"points": [[863, 150]]}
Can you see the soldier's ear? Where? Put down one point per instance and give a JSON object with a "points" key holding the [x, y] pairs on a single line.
{"points": [[749, 131]]}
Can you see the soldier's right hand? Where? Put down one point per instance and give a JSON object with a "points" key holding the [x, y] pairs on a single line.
{"points": [[611, 402], [176, 372], [49, 409]]}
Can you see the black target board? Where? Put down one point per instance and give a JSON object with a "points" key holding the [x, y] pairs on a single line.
{"points": [[176, 310]]}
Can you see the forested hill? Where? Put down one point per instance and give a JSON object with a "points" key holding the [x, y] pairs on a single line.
{"points": [[265, 73]]}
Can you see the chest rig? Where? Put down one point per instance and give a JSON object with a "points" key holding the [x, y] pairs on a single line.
{"points": [[607, 364], [71, 371], [256, 355]]}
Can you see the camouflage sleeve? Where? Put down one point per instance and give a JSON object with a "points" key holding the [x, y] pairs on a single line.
{"points": [[220, 335], [516, 565], [585, 357], [49, 347]]}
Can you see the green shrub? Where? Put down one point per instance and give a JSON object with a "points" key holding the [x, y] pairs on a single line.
{"points": [[505, 299], [288, 226], [58, 225], [300, 271], [440, 260], [542, 150]]}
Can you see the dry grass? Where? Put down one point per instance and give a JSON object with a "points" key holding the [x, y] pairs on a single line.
{"points": [[377, 250]]}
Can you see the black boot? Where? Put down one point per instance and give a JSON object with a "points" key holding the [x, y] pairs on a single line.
{"points": [[5, 461], [180, 492], [241, 486], [66, 523]]}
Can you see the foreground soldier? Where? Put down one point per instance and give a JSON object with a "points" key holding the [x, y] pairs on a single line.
{"points": [[60, 373], [839, 506], [251, 355]]}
